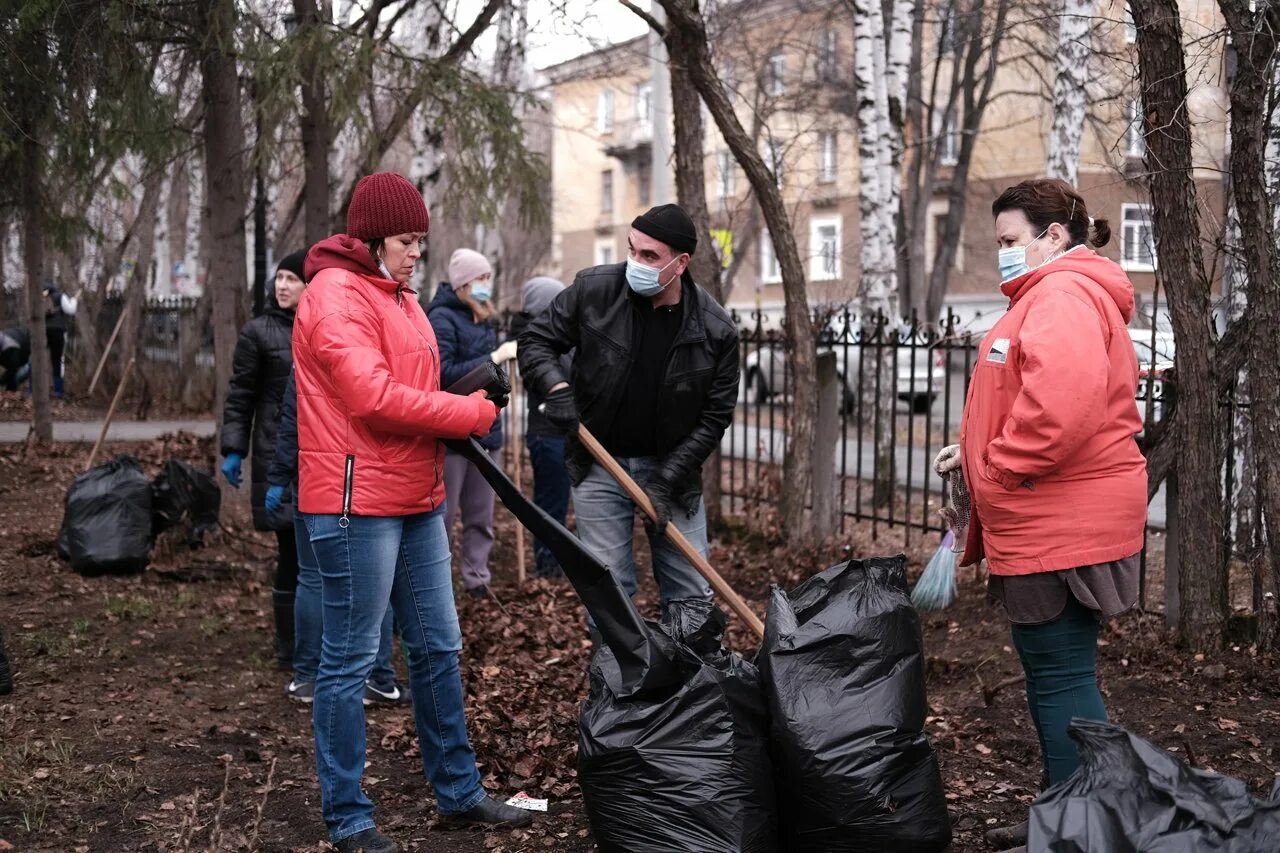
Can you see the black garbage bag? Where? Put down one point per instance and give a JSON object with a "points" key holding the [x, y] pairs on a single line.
{"points": [[181, 492], [1130, 796], [685, 768], [843, 669], [106, 527]]}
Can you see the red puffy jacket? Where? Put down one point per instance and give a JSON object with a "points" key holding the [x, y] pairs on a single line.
{"points": [[370, 408], [1047, 436]]}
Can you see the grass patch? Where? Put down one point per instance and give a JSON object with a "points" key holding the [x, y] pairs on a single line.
{"points": [[211, 626], [132, 608], [49, 643]]}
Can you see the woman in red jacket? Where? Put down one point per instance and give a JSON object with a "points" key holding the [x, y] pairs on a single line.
{"points": [[371, 491], [1047, 447]]}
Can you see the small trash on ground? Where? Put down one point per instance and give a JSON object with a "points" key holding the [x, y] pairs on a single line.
{"points": [[1128, 794], [528, 803], [685, 767], [843, 669], [106, 527]]}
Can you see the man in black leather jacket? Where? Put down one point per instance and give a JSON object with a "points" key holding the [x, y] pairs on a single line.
{"points": [[655, 379]]}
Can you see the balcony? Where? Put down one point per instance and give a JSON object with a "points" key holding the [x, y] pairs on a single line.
{"points": [[631, 142]]}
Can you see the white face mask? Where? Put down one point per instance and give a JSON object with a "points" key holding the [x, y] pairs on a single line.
{"points": [[1012, 260]]}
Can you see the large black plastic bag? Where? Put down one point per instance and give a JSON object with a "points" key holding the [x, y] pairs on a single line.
{"points": [[684, 768], [180, 491], [106, 528], [1130, 796], [843, 669]]}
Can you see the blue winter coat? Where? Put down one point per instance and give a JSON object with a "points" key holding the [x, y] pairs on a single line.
{"points": [[464, 345]]}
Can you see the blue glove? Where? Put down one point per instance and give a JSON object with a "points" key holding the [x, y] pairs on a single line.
{"points": [[231, 469], [275, 497]]}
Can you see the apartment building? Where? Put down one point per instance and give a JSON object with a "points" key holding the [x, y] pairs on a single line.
{"points": [[789, 66]]}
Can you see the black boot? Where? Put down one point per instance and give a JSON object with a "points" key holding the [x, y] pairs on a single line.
{"points": [[1006, 837], [493, 813], [282, 604], [6, 674], [368, 841]]}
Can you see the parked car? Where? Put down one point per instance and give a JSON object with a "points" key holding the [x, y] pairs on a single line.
{"points": [[1152, 364], [921, 371]]}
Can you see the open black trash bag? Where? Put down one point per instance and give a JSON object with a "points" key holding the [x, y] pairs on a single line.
{"points": [[1130, 796], [180, 492], [681, 768], [106, 527], [843, 669]]}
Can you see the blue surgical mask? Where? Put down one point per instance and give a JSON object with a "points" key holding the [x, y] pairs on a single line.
{"points": [[1013, 260], [481, 291], [644, 280]]}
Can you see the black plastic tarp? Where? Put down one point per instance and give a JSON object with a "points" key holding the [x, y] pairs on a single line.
{"points": [[180, 492], [106, 526], [1130, 796], [843, 669]]}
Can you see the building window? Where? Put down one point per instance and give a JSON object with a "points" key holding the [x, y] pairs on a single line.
{"points": [[944, 126], [774, 158], [604, 111], [1130, 28], [644, 105], [726, 175], [828, 156], [770, 272], [1137, 238], [1136, 138], [644, 182], [606, 191], [828, 57], [949, 27], [824, 248], [604, 251], [775, 73]]}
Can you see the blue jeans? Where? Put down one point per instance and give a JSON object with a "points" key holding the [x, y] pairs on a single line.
{"points": [[550, 492], [308, 620], [363, 565], [1060, 660], [606, 521]]}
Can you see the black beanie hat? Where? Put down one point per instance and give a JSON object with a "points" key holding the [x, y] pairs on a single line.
{"points": [[293, 263], [670, 224]]}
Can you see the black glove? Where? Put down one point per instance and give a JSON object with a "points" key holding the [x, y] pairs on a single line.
{"points": [[661, 496], [498, 398], [561, 409]]}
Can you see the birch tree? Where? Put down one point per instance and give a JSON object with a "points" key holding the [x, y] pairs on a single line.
{"points": [[1069, 90]]}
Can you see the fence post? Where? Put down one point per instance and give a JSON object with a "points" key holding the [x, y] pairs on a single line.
{"points": [[826, 433]]}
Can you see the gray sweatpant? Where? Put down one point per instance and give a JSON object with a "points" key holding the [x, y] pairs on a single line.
{"points": [[467, 491]]}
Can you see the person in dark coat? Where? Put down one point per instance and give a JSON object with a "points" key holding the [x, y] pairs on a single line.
{"points": [[58, 311], [15, 352], [544, 439], [263, 361], [461, 315]]}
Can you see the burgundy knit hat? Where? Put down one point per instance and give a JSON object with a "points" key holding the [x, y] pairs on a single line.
{"points": [[384, 204]]}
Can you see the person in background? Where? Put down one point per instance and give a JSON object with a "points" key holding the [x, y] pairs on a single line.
{"points": [[461, 315], [544, 439], [59, 309], [655, 378], [371, 416], [282, 482], [15, 353], [260, 370], [1047, 449]]}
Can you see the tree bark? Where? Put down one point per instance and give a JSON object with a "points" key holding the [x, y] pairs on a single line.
{"points": [[1069, 90], [316, 131], [1202, 583], [226, 186], [685, 16], [33, 122], [135, 294]]}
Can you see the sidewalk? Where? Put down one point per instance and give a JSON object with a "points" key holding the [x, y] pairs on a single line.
{"points": [[12, 432]]}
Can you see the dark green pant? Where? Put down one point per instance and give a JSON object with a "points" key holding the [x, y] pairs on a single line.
{"points": [[1060, 660]]}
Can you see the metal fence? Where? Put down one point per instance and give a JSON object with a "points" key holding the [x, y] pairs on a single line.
{"points": [[165, 323]]}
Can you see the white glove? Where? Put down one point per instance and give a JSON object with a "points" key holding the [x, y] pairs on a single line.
{"points": [[947, 460], [506, 352]]}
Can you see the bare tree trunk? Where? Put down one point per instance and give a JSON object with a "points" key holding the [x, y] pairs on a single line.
{"points": [[316, 130], [686, 36], [1202, 582], [1069, 90], [226, 186], [33, 259], [135, 292]]}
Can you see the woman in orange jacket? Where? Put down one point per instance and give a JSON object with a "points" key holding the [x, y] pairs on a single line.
{"points": [[1047, 448]]}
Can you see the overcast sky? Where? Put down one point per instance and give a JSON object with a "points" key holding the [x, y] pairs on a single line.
{"points": [[556, 35]]}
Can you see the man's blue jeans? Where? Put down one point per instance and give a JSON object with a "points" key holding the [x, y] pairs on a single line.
{"points": [[606, 521], [364, 563], [308, 620], [550, 492]]}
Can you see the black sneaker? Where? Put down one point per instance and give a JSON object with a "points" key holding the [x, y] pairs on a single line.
{"points": [[301, 691], [493, 813], [368, 841], [6, 674], [1007, 837], [393, 694]]}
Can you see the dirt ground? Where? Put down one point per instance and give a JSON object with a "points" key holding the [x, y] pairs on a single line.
{"points": [[148, 715]]}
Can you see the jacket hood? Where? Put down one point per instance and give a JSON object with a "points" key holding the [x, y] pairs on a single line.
{"points": [[537, 293], [446, 298], [1083, 261], [344, 252]]}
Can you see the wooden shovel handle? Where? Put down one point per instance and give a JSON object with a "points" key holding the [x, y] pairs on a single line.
{"points": [[719, 584]]}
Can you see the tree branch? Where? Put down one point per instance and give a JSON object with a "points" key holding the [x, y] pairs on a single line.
{"points": [[654, 23]]}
